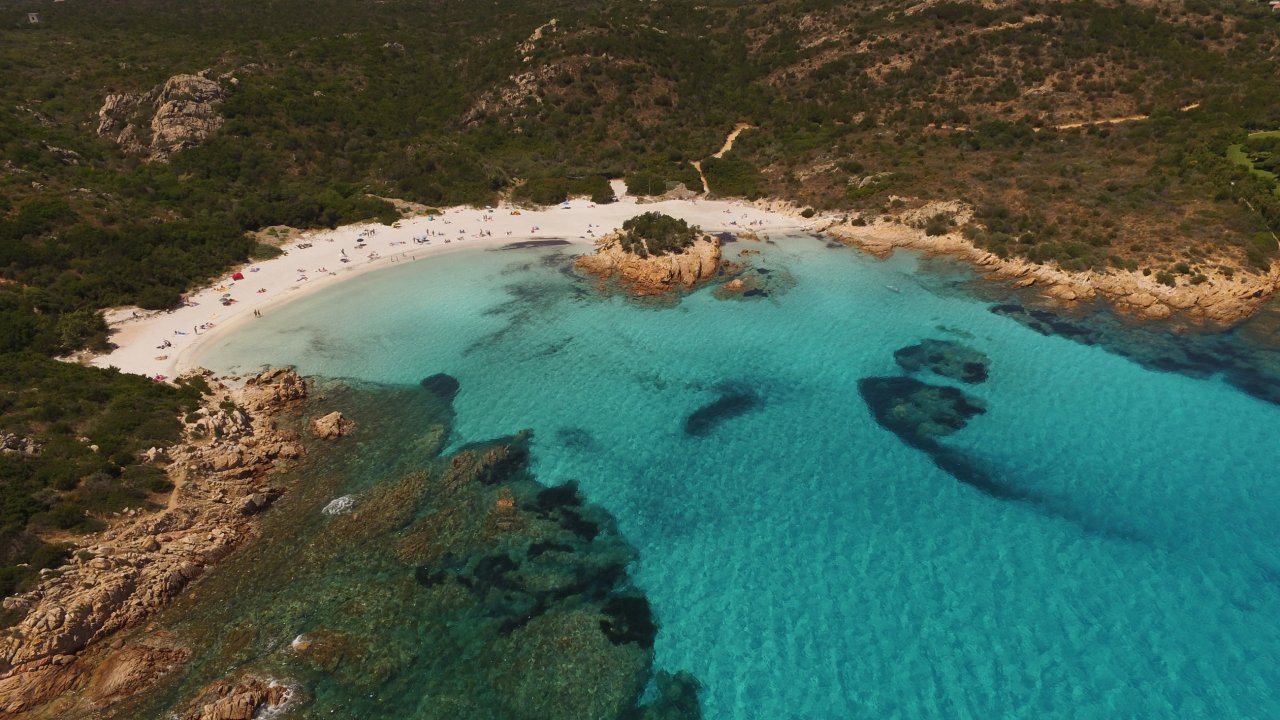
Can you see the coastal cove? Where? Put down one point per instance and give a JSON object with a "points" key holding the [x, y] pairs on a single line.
{"points": [[162, 343], [640, 361], [1100, 536]]}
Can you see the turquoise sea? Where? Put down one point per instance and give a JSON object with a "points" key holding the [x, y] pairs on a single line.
{"points": [[1118, 557]]}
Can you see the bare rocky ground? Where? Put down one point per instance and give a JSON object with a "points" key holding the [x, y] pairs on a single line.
{"points": [[61, 660]]}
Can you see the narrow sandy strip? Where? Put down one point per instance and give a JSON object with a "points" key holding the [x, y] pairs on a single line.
{"points": [[728, 142], [163, 344], [728, 145]]}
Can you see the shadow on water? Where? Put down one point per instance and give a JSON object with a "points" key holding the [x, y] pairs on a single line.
{"points": [[527, 244], [454, 586]]}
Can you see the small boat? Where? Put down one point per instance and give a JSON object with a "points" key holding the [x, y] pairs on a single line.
{"points": [[891, 287]]}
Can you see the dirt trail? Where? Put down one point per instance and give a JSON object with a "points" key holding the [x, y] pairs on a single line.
{"points": [[728, 142], [697, 165], [1103, 121], [728, 145], [1115, 120]]}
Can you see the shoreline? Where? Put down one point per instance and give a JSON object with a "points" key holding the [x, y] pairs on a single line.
{"points": [[1220, 302], [140, 339]]}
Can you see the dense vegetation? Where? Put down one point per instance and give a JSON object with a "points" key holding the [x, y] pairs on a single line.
{"points": [[91, 426], [655, 233], [865, 108]]}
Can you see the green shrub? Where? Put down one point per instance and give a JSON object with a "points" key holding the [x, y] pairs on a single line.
{"points": [[732, 177], [939, 224], [657, 234], [265, 251]]}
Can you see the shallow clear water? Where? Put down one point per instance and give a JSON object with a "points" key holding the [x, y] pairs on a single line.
{"points": [[802, 561]]}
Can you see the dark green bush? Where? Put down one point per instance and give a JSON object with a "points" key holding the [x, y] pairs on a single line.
{"points": [[657, 234]]}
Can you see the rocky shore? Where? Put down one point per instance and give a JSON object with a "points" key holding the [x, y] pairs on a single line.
{"points": [[59, 659], [1220, 300], [655, 274]]}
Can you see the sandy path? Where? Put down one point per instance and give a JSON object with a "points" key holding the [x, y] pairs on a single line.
{"points": [[728, 145], [728, 142], [168, 342], [1115, 120], [697, 165]]}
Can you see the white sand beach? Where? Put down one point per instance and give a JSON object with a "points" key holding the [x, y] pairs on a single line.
{"points": [[162, 344]]}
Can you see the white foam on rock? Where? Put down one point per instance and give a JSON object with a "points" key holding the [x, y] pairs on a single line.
{"points": [[340, 506]]}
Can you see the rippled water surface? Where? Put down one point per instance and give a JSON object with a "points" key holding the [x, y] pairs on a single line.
{"points": [[802, 560]]}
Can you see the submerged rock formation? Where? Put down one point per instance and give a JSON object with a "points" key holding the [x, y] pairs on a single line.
{"points": [[946, 358], [457, 586], [140, 563], [1250, 367], [756, 283], [734, 400], [653, 274], [173, 116], [917, 412], [921, 415], [443, 386]]}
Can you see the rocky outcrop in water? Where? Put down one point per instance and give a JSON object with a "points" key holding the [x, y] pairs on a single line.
{"points": [[756, 283], [244, 700], [173, 116], [131, 669], [654, 274], [331, 426], [124, 574]]}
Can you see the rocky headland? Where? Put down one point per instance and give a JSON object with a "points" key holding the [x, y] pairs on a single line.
{"points": [[1221, 300], [652, 274], [173, 116], [60, 654]]}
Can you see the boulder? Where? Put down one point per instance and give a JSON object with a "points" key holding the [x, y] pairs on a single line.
{"points": [[273, 389], [240, 701], [331, 426]]}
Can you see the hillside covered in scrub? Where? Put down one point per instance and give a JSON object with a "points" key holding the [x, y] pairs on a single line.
{"points": [[145, 144], [175, 132]]}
